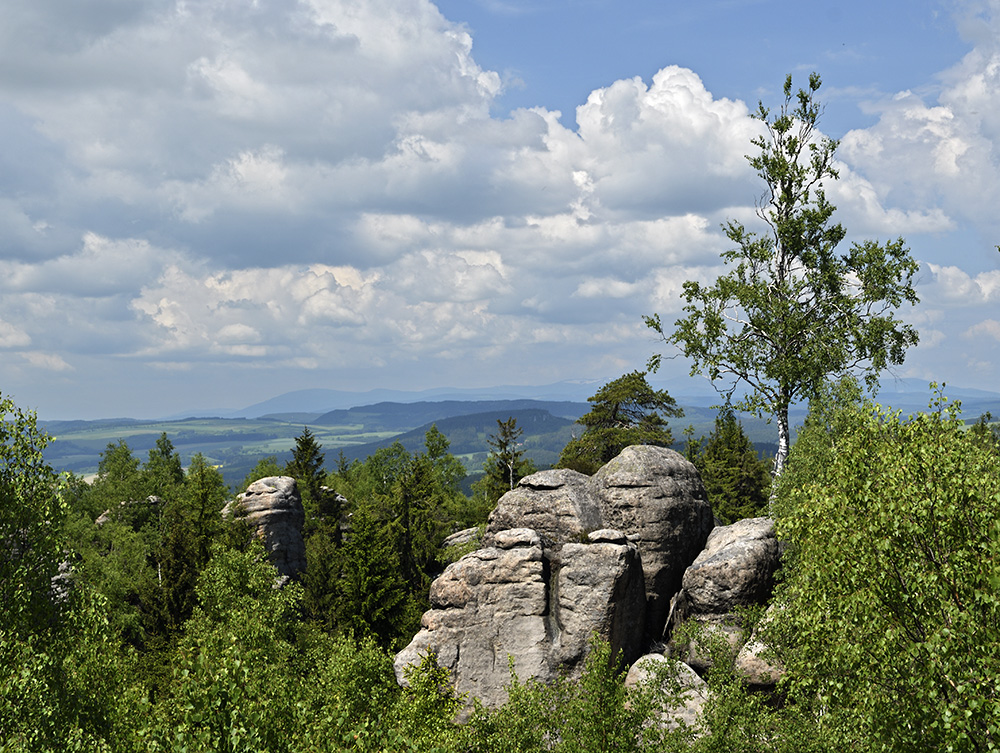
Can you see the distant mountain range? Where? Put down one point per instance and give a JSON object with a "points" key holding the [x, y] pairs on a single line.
{"points": [[904, 394]]}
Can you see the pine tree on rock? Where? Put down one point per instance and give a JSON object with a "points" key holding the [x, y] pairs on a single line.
{"points": [[627, 411]]}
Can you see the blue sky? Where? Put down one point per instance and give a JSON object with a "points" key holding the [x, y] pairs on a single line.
{"points": [[206, 203]]}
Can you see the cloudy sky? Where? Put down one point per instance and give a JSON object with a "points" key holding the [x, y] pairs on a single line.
{"points": [[206, 203]]}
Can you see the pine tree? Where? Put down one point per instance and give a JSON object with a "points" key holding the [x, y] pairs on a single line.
{"points": [[505, 466], [738, 482], [306, 467], [627, 411]]}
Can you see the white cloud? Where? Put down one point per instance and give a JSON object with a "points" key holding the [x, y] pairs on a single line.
{"points": [[985, 328], [324, 183], [46, 361], [12, 336], [954, 284]]}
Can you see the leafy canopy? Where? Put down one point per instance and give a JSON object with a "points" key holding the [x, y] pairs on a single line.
{"points": [[791, 311], [890, 613]]}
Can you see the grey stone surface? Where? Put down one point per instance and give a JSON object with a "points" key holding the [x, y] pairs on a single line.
{"points": [[736, 569], [512, 602], [685, 692], [272, 509], [656, 496], [559, 504]]}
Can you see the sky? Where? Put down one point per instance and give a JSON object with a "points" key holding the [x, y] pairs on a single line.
{"points": [[207, 203]]}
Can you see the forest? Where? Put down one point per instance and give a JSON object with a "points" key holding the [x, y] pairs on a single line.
{"points": [[167, 633]]}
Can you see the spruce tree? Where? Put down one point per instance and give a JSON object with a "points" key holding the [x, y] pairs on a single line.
{"points": [[738, 482]]}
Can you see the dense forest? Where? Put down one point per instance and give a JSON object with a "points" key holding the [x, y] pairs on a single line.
{"points": [[161, 628]]}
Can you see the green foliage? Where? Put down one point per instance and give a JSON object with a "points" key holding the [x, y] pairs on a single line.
{"points": [[163, 469], [890, 614], [505, 466], [31, 517], [626, 411], [791, 311], [738, 482], [306, 467], [593, 714], [372, 590]]}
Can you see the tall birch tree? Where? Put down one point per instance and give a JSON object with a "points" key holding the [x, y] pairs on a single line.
{"points": [[791, 312]]}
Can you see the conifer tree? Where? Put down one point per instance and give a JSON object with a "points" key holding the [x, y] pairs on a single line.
{"points": [[737, 480], [306, 467], [505, 466], [627, 411]]}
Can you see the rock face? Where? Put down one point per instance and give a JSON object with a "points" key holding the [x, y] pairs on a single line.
{"points": [[656, 496], [560, 504], [515, 601], [272, 508], [565, 556], [735, 569]]}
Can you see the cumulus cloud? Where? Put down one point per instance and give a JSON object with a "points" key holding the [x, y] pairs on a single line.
{"points": [[954, 284], [986, 328], [323, 183], [939, 153]]}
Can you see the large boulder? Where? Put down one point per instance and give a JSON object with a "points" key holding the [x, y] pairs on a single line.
{"points": [[559, 504], [516, 604], [684, 692], [736, 569], [272, 509], [657, 497]]}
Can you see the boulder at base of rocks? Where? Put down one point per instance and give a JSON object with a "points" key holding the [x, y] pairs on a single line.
{"points": [[736, 569], [685, 693], [656, 496], [753, 662], [272, 509], [515, 604]]}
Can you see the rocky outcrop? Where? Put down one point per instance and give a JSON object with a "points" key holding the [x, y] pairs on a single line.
{"points": [[560, 505], [515, 604], [272, 509], [566, 556], [656, 496], [736, 569]]}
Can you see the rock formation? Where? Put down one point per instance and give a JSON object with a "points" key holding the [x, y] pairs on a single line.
{"points": [[272, 509], [735, 569], [516, 601], [656, 496], [565, 556]]}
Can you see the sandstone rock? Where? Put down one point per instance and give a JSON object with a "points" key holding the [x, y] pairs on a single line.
{"points": [[736, 569], [514, 601], [559, 504], [272, 509], [656, 496], [680, 680], [463, 538], [752, 661], [566, 556]]}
